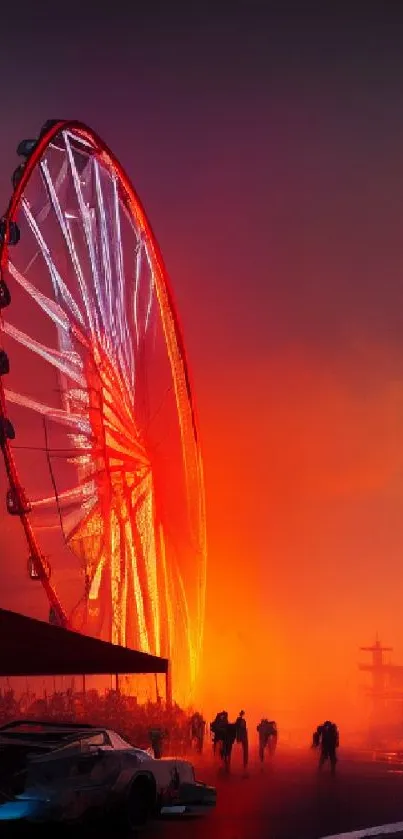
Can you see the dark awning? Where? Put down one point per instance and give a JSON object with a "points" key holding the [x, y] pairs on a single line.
{"points": [[30, 647]]}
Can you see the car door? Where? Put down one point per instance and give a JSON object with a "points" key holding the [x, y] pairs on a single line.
{"points": [[76, 779], [92, 773]]}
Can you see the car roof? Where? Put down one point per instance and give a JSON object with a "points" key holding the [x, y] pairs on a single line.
{"points": [[40, 732], [46, 725], [55, 734]]}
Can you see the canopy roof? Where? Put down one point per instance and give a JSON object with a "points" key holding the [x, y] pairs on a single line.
{"points": [[29, 647]]}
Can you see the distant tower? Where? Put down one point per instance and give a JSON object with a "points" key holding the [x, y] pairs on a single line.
{"points": [[380, 671]]}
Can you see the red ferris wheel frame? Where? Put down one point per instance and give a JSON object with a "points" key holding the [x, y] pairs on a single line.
{"points": [[25, 171]]}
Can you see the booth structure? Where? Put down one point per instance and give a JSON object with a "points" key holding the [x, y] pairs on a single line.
{"points": [[30, 647]]}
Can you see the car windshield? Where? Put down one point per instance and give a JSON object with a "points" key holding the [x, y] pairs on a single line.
{"points": [[118, 742], [99, 739]]}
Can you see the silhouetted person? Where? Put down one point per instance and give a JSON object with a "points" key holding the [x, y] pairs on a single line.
{"points": [[316, 738], [242, 736], [156, 736], [229, 736], [273, 737], [329, 743], [218, 728], [267, 731], [197, 728], [263, 732]]}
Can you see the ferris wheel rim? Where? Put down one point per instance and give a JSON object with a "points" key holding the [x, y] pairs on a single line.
{"points": [[98, 148]]}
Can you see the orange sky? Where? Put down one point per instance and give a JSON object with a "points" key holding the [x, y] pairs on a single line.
{"points": [[305, 491]]}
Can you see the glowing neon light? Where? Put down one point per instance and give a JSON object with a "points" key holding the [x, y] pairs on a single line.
{"points": [[135, 516]]}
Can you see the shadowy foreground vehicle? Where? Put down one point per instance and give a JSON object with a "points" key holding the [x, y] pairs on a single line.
{"points": [[67, 773]]}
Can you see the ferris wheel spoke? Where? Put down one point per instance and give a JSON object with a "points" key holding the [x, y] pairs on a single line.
{"points": [[142, 526], [55, 358], [68, 239], [58, 284], [105, 249], [97, 575], [115, 385], [114, 391], [137, 277], [143, 265], [144, 521], [60, 178], [52, 309], [78, 139], [123, 366], [119, 265], [112, 404], [124, 443], [55, 414], [117, 322], [82, 494], [138, 594], [93, 311], [122, 446], [112, 411], [166, 589], [125, 340], [150, 291], [72, 520], [83, 530], [183, 604], [82, 541]]}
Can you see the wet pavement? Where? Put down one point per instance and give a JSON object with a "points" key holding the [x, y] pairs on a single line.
{"points": [[289, 801]]}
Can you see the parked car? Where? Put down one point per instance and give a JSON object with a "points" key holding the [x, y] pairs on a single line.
{"points": [[57, 772]]}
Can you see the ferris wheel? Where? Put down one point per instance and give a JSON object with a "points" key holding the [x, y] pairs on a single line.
{"points": [[97, 418]]}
